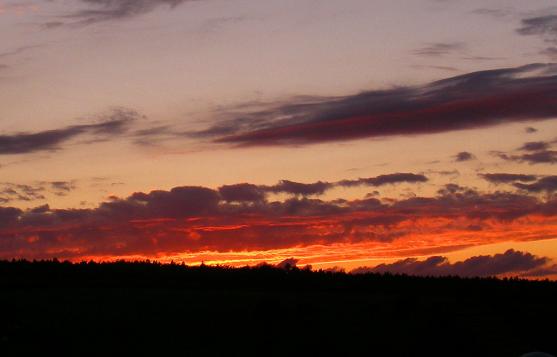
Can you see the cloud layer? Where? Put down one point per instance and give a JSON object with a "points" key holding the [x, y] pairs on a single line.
{"points": [[240, 218], [473, 100]]}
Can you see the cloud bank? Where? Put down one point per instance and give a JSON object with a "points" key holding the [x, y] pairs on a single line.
{"points": [[239, 218], [511, 262]]}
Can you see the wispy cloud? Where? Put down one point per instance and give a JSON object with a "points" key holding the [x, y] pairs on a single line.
{"points": [[473, 100], [97, 11], [440, 49], [22, 143]]}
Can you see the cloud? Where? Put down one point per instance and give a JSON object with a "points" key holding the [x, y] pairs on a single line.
{"points": [[242, 192], [535, 146], [511, 262], [49, 140], [473, 100], [543, 26], [551, 52], [464, 156], [296, 188], [530, 130], [536, 152], [545, 184], [110, 10], [245, 192], [287, 264], [541, 272], [381, 180], [539, 157], [33, 192], [193, 219], [440, 49], [498, 178], [19, 192]]}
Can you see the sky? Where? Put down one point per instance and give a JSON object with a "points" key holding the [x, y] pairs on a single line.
{"points": [[406, 136]]}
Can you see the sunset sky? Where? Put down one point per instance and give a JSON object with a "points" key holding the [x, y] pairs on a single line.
{"points": [[407, 136]]}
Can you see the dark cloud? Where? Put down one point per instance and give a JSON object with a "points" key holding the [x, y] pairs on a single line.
{"points": [[33, 192], [542, 272], [245, 192], [296, 188], [539, 157], [464, 156], [497, 178], [545, 184], [20, 192], [440, 49], [62, 185], [468, 101], [110, 10], [288, 263], [535, 146], [242, 192], [381, 180], [49, 140], [530, 130], [544, 26], [510, 262]]}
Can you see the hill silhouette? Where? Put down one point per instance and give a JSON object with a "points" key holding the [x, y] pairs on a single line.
{"points": [[148, 307]]}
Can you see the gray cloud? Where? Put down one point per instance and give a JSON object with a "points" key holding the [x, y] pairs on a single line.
{"points": [[535, 146], [545, 184], [498, 178], [473, 100], [242, 192], [245, 192], [381, 180], [49, 140], [539, 157], [440, 49], [464, 156], [110, 10], [544, 26], [510, 262]]}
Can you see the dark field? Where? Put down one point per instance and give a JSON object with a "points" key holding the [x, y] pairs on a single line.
{"points": [[135, 308]]}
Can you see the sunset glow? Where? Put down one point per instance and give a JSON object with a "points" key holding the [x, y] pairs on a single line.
{"points": [[414, 137]]}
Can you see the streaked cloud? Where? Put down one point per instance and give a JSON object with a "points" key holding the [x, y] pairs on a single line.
{"points": [[110, 125], [474, 100]]}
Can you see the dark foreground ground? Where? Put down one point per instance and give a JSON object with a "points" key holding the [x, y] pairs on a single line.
{"points": [[132, 308]]}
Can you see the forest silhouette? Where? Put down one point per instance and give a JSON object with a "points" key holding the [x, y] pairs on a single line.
{"points": [[142, 307]]}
